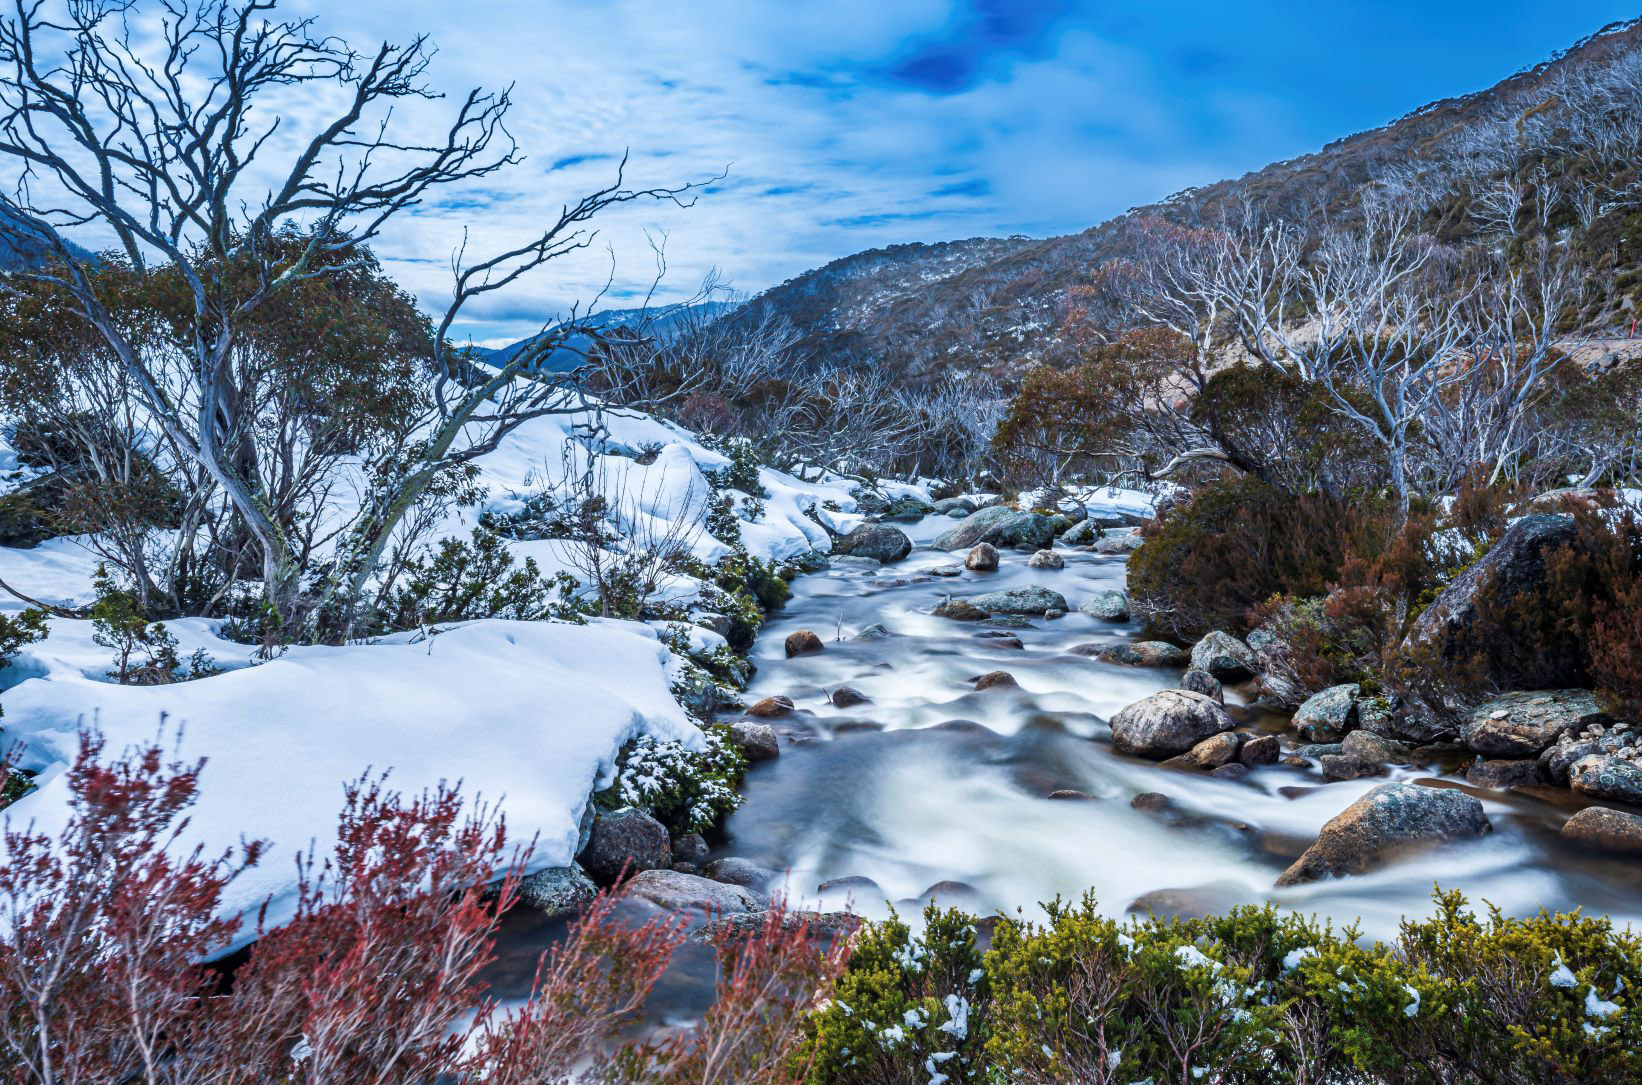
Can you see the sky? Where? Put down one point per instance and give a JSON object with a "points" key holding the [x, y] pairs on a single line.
{"points": [[843, 125]]}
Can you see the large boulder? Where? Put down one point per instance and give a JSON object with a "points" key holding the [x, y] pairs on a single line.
{"points": [[1525, 724], [1604, 830], [1137, 653], [1023, 531], [1108, 606], [1607, 776], [1168, 723], [1031, 600], [557, 891], [1327, 716], [948, 505], [1388, 820], [679, 892], [972, 528], [879, 541], [626, 839], [1225, 657], [1513, 567], [1081, 534]]}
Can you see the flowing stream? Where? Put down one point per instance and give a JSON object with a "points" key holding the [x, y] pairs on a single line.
{"points": [[934, 789]]}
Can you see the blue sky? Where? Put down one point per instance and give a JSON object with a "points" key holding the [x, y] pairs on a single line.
{"points": [[857, 123]]}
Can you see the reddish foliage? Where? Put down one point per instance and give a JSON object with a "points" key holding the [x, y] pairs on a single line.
{"points": [[375, 977]]}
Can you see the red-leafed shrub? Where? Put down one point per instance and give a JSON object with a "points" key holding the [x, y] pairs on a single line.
{"points": [[376, 978]]}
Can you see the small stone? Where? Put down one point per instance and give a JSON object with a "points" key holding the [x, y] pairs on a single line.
{"points": [[947, 571], [1215, 750], [801, 643], [690, 848], [1068, 794], [997, 638], [1045, 559], [1052, 613], [772, 707], [1109, 606], [1139, 653], [557, 891], [874, 631], [1151, 801], [1327, 716], [995, 679], [1259, 750], [678, 892], [1603, 776], [627, 840], [1232, 771], [848, 697], [1225, 657], [733, 870], [1373, 749], [959, 610], [1343, 766], [1203, 682], [982, 558], [756, 741], [1505, 773]]}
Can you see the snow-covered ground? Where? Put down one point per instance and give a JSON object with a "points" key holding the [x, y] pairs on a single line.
{"points": [[528, 715]]}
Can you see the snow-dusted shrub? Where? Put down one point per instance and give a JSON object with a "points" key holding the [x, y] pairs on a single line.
{"points": [[686, 790], [462, 580], [145, 652]]}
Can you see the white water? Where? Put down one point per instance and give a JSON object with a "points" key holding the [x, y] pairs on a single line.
{"points": [[885, 791]]}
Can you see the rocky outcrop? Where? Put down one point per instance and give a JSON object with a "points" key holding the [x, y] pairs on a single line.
{"points": [[679, 892], [1525, 724], [557, 891], [1168, 723], [1388, 820], [1031, 600], [1512, 568], [880, 542], [1108, 606], [1225, 657], [1602, 829], [1329, 715], [625, 839]]}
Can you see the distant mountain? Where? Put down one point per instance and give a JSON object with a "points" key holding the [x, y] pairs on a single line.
{"points": [[573, 352], [997, 303], [18, 251]]}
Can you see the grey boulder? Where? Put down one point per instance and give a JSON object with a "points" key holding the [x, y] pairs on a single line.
{"points": [[1168, 723], [1388, 820], [1225, 657]]}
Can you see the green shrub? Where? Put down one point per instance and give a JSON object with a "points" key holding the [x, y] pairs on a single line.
{"points": [[1255, 997], [686, 790], [463, 580], [145, 652]]}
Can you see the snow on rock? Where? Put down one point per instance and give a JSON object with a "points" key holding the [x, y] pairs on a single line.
{"points": [[526, 714]]}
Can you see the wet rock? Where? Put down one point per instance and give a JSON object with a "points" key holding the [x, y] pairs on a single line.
{"points": [[756, 741], [1168, 723], [948, 505], [1225, 657], [1203, 682], [909, 507], [951, 893], [1120, 542], [959, 610], [1343, 766], [847, 561], [1604, 830], [1505, 773], [881, 542], [1045, 559], [1011, 621], [625, 839], [823, 926], [1314, 750], [947, 571], [1083, 533], [1052, 614], [1327, 716], [1259, 750], [1512, 568], [848, 697], [1029, 600], [801, 643], [734, 870], [971, 529], [557, 891], [854, 885], [1071, 795], [1236, 770], [996, 679], [1378, 716], [1607, 776], [1138, 653], [1216, 750], [1278, 692], [1193, 903], [1525, 724], [686, 868], [1373, 749], [983, 558], [697, 692], [1022, 531], [1152, 802], [997, 638], [874, 631], [679, 892], [1559, 759], [1108, 606], [1383, 823], [690, 848], [772, 707]]}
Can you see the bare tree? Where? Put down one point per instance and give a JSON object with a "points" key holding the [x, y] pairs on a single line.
{"points": [[153, 133]]}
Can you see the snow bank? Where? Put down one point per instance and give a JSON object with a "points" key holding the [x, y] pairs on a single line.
{"points": [[527, 714]]}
